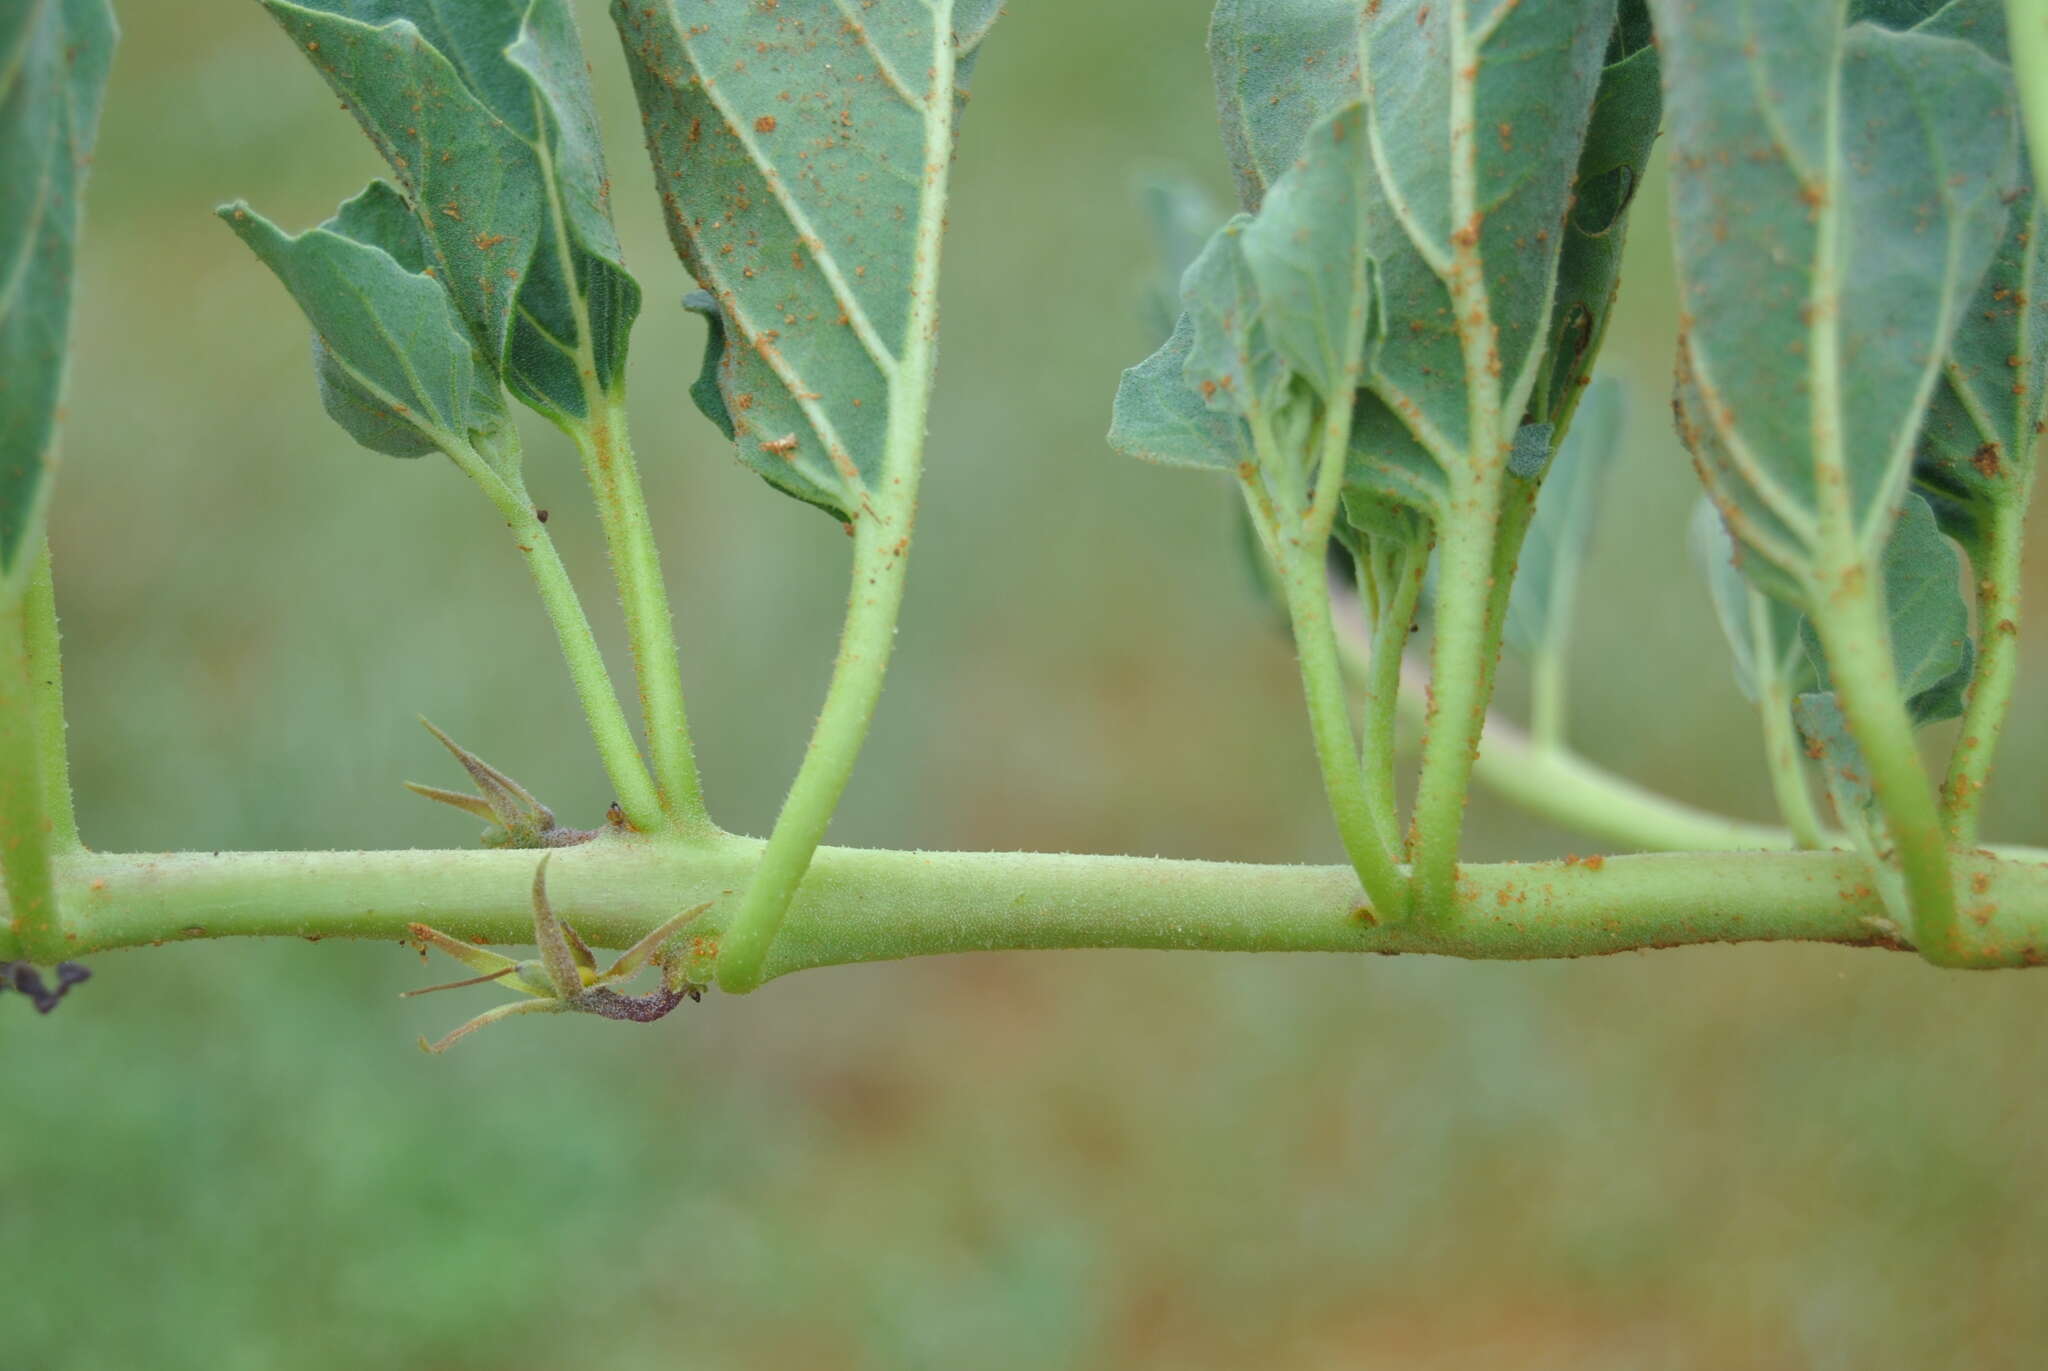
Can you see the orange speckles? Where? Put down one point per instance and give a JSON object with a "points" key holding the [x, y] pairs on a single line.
{"points": [[1985, 460], [452, 210], [783, 447], [486, 241], [765, 124], [1506, 131]]}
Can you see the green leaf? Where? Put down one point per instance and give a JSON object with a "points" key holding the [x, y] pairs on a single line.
{"points": [[1183, 218], [1280, 66], [396, 366], [790, 145], [1928, 618], [54, 56], [1343, 278], [1530, 71], [1762, 631], [1836, 194], [1829, 742], [1976, 451], [483, 112], [1159, 417], [1627, 108], [1554, 551]]}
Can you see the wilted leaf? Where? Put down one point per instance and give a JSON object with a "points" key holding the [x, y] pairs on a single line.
{"points": [[792, 145], [54, 56], [1836, 194]]}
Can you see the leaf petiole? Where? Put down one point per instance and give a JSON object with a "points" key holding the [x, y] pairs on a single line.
{"points": [[608, 727]]}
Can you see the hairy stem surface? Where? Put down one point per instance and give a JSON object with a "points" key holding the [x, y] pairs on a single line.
{"points": [[608, 727], [46, 685], [26, 825], [614, 479], [879, 563], [1998, 661], [866, 906], [1854, 632]]}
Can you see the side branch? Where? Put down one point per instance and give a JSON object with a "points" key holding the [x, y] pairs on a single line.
{"points": [[866, 906]]}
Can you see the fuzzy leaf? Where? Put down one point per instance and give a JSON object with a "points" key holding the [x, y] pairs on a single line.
{"points": [[1627, 108], [1762, 631], [1183, 218], [483, 112], [1929, 621], [1530, 71], [1159, 417], [54, 56], [1554, 551], [1820, 721], [395, 363], [1280, 66], [1976, 451], [791, 144], [1836, 192]]}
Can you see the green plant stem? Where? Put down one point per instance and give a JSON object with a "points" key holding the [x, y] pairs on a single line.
{"points": [[1782, 750], [2027, 37], [614, 480], [608, 726], [46, 684], [1329, 711], [1995, 563], [879, 562], [1458, 690], [26, 825], [1854, 633], [882, 528], [1547, 695], [1381, 674], [866, 906]]}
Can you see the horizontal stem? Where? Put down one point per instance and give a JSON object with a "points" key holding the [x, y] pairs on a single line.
{"points": [[865, 906]]}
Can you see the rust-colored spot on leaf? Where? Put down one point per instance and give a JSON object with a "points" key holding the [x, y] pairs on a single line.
{"points": [[765, 124]]}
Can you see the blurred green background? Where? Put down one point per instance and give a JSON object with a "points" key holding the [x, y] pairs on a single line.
{"points": [[231, 1155]]}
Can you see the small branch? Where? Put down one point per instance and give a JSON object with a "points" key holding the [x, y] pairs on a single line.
{"points": [[614, 480], [1995, 565], [608, 727], [863, 906]]}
